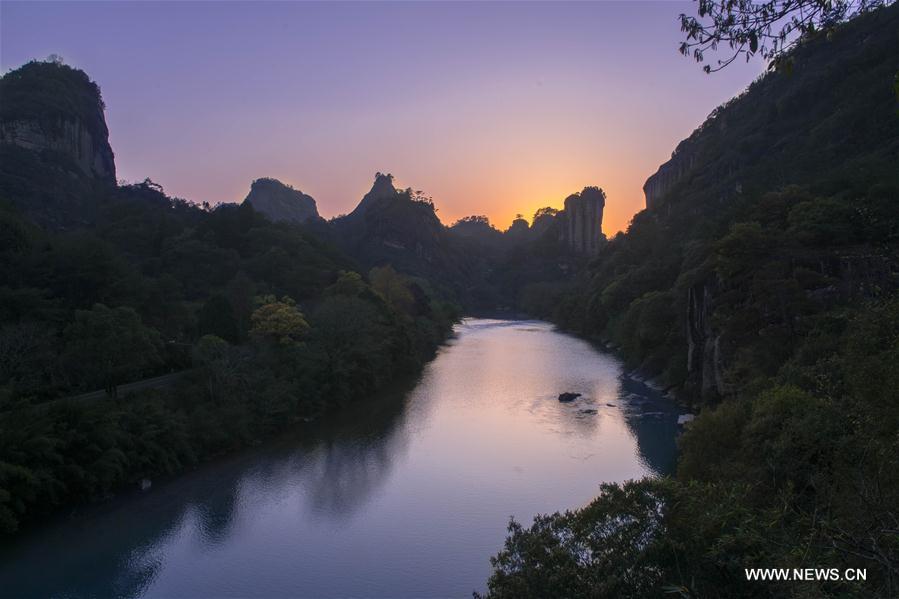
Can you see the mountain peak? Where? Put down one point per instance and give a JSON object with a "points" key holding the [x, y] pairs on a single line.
{"points": [[281, 202], [383, 185], [49, 106], [382, 188]]}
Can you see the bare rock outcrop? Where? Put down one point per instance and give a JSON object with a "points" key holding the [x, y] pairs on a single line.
{"points": [[280, 202], [69, 137], [669, 174], [581, 221], [56, 112], [705, 363]]}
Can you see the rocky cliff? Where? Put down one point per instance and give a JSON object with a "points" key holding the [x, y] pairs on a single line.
{"points": [[280, 202], [581, 221], [659, 184], [56, 111], [56, 165], [705, 364]]}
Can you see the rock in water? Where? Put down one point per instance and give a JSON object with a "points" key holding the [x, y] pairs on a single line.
{"points": [[568, 396]]}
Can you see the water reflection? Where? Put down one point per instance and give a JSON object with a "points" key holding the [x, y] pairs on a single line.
{"points": [[652, 418], [407, 494], [346, 468]]}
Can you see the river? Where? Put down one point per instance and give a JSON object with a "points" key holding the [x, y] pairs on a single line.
{"points": [[404, 495]]}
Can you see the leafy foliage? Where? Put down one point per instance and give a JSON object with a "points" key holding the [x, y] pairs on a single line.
{"points": [[113, 341], [50, 92], [278, 320], [770, 28]]}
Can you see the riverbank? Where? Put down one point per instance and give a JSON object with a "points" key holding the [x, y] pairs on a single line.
{"points": [[405, 494], [74, 453]]}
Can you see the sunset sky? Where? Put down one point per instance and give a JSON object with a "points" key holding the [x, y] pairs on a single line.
{"points": [[490, 108]]}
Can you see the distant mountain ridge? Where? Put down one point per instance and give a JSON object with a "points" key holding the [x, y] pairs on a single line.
{"points": [[58, 169]]}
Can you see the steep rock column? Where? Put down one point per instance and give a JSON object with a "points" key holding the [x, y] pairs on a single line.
{"points": [[582, 220], [705, 364]]}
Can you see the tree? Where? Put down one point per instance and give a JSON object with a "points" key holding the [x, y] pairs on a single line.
{"points": [[475, 219], [417, 195], [392, 287], [214, 355], [278, 320], [348, 283], [217, 318], [543, 219], [110, 345], [614, 547], [26, 353], [352, 344], [769, 28]]}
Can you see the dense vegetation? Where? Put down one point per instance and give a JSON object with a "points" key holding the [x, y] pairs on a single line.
{"points": [[51, 92], [764, 291], [267, 325]]}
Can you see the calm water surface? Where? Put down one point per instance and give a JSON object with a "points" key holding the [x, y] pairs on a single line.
{"points": [[406, 495]]}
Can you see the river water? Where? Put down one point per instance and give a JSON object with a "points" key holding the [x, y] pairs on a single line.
{"points": [[405, 495]]}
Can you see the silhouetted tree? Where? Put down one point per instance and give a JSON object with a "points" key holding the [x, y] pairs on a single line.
{"points": [[111, 345], [217, 318], [769, 28]]}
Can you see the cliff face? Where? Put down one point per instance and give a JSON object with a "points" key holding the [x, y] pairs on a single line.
{"points": [[56, 165], [56, 112], [68, 137], [669, 174], [280, 202], [705, 364], [581, 221], [784, 129]]}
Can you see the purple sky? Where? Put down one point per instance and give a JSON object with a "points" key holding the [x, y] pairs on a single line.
{"points": [[491, 108]]}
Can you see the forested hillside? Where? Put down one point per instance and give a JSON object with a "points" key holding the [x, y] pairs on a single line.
{"points": [[102, 285], [760, 286], [785, 208]]}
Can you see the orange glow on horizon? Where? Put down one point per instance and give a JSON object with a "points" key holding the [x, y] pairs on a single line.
{"points": [[489, 108], [501, 198]]}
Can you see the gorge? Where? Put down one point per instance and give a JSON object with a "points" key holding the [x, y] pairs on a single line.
{"points": [[759, 290]]}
